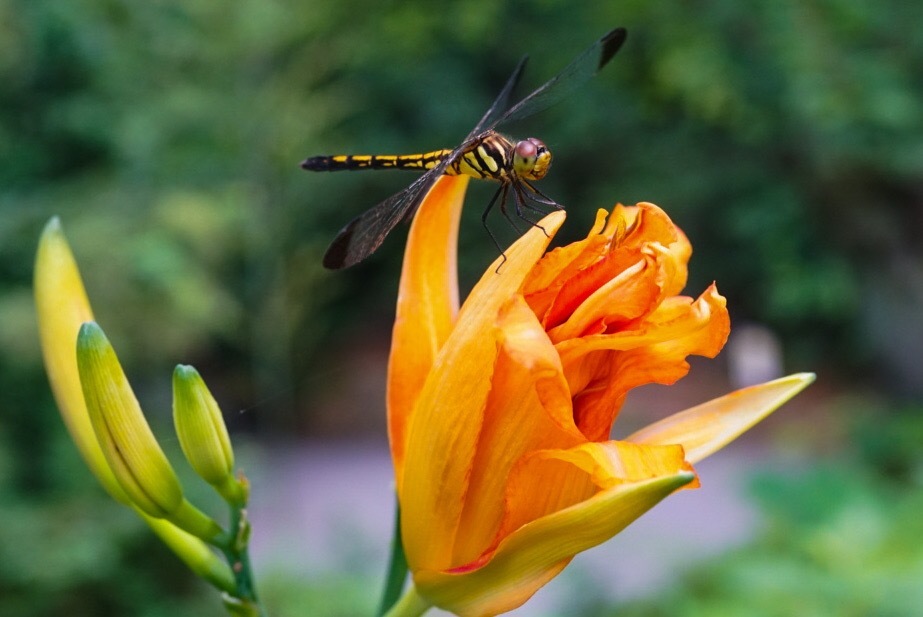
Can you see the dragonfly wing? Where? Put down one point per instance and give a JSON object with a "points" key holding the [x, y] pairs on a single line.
{"points": [[364, 234], [501, 103], [573, 75]]}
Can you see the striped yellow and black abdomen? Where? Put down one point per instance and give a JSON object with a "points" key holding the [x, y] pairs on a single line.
{"points": [[345, 162], [489, 158]]}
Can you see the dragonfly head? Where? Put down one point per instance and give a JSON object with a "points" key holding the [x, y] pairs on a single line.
{"points": [[531, 159]]}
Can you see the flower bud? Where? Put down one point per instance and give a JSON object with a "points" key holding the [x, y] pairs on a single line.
{"points": [[62, 306], [127, 442], [203, 434]]}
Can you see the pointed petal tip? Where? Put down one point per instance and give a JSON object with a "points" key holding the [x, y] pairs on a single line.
{"points": [[704, 429], [555, 219], [787, 386]]}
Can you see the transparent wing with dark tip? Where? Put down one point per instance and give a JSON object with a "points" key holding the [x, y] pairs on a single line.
{"points": [[502, 103], [364, 234], [569, 79]]}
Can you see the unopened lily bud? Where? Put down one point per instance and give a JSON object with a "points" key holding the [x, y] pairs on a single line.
{"points": [[127, 442], [62, 306], [203, 434]]}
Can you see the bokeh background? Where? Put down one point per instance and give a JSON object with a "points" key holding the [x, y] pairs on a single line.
{"points": [[785, 138]]}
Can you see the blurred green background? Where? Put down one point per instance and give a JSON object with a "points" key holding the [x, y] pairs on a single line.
{"points": [[785, 138]]}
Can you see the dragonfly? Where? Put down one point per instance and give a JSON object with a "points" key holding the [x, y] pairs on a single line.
{"points": [[483, 154]]}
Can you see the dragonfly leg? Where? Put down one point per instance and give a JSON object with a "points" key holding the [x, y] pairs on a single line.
{"points": [[501, 193], [521, 203], [540, 197], [506, 214]]}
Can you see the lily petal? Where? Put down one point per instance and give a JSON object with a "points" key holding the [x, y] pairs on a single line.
{"points": [[528, 408], [427, 303], [706, 428], [555, 268], [533, 554], [441, 438], [653, 351]]}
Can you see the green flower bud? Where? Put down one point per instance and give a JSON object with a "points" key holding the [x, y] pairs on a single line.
{"points": [[203, 434], [127, 442]]}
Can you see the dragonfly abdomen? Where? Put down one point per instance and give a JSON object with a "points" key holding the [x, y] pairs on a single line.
{"points": [[342, 162], [487, 158]]}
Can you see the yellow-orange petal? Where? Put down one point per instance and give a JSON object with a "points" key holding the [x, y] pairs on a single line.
{"points": [[537, 551], [629, 295], [706, 428], [646, 223], [62, 307], [546, 481], [554, 267], [681, 251], [528, 408], [654, 225], [427, 303], [444, 426], [654, 352], [650, 236]]}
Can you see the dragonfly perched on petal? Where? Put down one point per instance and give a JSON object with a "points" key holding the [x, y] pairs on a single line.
{"points": [[483, 154]]}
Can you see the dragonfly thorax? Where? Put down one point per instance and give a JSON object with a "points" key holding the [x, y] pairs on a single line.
{"points": [[531, 159]]}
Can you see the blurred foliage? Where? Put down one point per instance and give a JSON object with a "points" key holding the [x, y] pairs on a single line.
{"points": [[841, 538], [344, 595], [70, 550]]}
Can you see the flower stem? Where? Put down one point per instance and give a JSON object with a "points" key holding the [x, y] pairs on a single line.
{"points": [[244, 598], [411, 604], [397, 567]]}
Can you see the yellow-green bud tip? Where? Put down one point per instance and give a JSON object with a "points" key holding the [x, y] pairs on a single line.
{"points": [[184, 371]]}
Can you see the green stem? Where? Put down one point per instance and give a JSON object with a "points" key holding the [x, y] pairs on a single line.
{"points": [[411, 604], [238, 556], [397, 567]]}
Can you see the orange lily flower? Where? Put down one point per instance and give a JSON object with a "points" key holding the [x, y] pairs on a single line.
{"points": [[500, 412]]}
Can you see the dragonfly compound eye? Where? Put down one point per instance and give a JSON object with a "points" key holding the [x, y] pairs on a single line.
{"points": [[532, 159]]}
